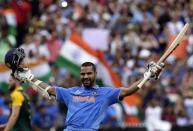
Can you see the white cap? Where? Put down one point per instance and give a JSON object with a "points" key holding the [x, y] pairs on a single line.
{"points": [[144, 53], [44, 33], [130, 63]]}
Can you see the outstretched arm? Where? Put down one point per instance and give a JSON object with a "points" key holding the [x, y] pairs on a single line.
{"points": [[14, 59], [44, 86], [127, 91], [38, 85], [152, 72]]}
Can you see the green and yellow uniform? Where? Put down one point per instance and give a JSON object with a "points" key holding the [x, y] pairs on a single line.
{"points": [[19, 98]]}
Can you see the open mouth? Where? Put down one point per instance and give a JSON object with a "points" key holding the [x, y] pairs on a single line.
{"points": [[86, 81]]}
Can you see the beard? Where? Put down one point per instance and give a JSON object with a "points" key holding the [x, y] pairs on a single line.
{"points": [[87, 82], [12, 87]]}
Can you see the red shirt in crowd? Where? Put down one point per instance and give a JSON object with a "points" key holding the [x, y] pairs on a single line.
{"points": [[22, 9]]}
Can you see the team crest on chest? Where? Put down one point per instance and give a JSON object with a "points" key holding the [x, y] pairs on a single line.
{"points": [[94, 93], [77, 92]]}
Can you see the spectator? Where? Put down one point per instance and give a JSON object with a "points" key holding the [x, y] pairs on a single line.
{"points": [[7, 41], [153, 117], [188, 103], [4, 109], [42, 119], [22, 9]]}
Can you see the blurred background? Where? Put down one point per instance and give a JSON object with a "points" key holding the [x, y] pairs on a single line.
{"points": [[121, 37]]}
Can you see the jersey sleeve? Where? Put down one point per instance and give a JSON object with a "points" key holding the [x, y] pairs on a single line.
{"points": [[17, 99], [62, 95], [112, 95]]}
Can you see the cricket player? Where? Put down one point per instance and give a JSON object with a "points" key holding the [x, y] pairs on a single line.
{"points": [[20, 118], [86, 103]]}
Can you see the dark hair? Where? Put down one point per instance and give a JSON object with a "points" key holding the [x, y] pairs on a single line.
{"points": [[89, 64]]}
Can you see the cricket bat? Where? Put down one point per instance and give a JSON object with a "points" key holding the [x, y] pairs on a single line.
{"points": [[169, 51]]}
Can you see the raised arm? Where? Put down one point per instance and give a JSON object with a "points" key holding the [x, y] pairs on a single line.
{"points": [[127, 91], [14, 59], [38, 85], [43, 85], [152, 68]]}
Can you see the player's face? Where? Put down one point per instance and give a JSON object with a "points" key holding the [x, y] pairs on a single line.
{"points": [[12, 84], [87, 76]]}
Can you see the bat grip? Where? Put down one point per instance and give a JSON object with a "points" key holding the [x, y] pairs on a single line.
{"points": [[145, 79]]}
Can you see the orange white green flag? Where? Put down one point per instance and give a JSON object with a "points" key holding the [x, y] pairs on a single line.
{"points": [[75, 51]]}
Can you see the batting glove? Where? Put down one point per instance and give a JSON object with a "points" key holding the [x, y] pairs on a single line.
{"points": [[153, 70], [25, 75]]}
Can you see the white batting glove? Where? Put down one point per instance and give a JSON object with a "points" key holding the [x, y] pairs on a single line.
{"points": [[24, 76], [153, 70]]}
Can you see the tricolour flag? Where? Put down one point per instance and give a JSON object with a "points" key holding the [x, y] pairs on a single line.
{"points": [[11, 20], [75, 51], [40, 69]]}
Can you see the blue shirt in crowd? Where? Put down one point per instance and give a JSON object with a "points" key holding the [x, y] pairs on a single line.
{"points": [[4, 111], [44, 120], [86, 107]]}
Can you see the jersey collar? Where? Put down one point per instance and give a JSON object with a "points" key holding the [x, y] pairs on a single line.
{"points": [[18, 88], [94, 87]]}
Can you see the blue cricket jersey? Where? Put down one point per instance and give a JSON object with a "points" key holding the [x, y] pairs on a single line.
{"points": [[86, 107]]}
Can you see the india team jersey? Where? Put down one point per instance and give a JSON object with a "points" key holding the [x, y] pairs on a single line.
{"points": [[86, 107]]}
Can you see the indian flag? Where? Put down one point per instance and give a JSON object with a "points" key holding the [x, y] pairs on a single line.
{"points": [[39, 68], [11, 20], [76, 51]]}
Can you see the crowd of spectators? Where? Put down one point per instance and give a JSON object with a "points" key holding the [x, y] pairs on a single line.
{"points": [[140, 31]]}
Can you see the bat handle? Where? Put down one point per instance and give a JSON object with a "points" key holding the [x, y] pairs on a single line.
{"points": [[145, 79]]}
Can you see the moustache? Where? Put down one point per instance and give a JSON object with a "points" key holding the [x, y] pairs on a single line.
{"points": [[87, 79]]}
